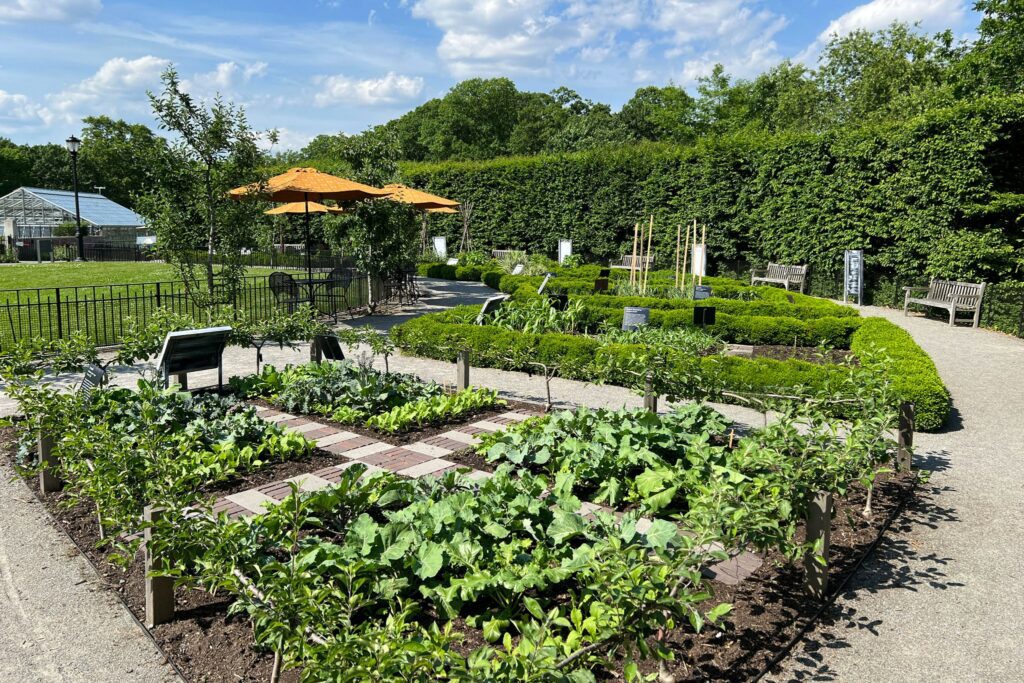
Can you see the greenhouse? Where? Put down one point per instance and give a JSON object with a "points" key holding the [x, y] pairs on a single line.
{"points": [[34, 212]]}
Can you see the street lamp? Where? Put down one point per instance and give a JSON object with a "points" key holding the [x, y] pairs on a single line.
{"points": [[73, 145]]}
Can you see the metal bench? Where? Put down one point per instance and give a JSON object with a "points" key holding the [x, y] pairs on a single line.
{"points": [[780, 274], [502, 253], [629, 261], [948, 295]]}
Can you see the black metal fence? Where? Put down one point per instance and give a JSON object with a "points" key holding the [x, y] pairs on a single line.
{"points": [[98, 249], [101, 311]]}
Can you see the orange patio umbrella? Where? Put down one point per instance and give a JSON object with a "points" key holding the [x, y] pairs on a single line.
{"points": [[424, 201], [418, 198], [305, 185], [303, 207]]}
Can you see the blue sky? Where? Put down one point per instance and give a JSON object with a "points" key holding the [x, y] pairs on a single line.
{"points": [[315, 66]]}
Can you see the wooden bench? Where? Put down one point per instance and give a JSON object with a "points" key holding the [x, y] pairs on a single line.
{"points": [[780, 274], [644, 262], [948, 295]]}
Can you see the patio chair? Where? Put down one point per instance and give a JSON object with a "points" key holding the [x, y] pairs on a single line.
{"points": [[340, 279], [285, 290]]}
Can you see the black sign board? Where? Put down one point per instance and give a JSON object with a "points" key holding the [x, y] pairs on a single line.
{"points": [[329, 346], [490, 306], [193, 350], [95, 377], [703, 316], [601, 284], [559, 302], [604, 273]]}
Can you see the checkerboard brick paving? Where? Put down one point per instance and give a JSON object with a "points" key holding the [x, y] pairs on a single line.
{"points": [[420, 459]]}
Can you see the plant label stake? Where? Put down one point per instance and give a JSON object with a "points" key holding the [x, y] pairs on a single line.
{"points": [[650, 397], [462, 370], [49, 480], [905, 437], [819, 530], [159, 589]]}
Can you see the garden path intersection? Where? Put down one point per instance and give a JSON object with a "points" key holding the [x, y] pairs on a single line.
{"points": [[944, 568]]}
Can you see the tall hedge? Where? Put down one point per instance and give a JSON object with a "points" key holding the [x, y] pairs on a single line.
{"points": [[895, 190]]}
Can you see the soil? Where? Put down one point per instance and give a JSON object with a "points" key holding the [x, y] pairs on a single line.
{"points": [[810, 354], [769, 608]]}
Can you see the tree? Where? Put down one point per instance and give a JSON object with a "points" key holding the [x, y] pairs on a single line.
{"points": [[15, 167], [890, 73], [213, 151], [787, 97], [658, 114], [994, 63], [473, 121], [125, 158]]}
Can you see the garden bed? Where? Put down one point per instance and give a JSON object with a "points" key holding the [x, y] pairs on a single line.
{"points": [[769, 607]]}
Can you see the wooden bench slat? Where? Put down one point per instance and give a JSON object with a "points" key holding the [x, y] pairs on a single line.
{"points": [[949, 295]]}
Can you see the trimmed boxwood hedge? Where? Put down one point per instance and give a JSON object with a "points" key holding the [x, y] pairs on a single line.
{"points": [[440, 335]]}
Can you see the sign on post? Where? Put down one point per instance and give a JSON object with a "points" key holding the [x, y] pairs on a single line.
{"points": [[853, 275], [441, 246], [564, 249], [193, 350], [490, 306], [700, 256]]}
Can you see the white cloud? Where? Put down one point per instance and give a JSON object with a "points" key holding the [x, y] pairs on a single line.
{"points": [[508, 37], [391, 88], [224, 77], [932, 15], [118, 79], [286, 139], [48, 10], [20, 109]]}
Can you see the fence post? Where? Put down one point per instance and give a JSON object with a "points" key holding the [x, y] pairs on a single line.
{"points": [[462, 370], [159, 589], [819, 527], [650, 397], [158, 305], [60, 323], [49, 480], [905, 436]]}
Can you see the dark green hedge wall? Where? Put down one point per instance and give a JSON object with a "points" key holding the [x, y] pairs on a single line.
{"points": [[906, 193]]}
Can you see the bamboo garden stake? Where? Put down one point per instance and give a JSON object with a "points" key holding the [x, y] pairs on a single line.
{"points": [[679, 234], [686, 253], [632, 264], [647, 256]]}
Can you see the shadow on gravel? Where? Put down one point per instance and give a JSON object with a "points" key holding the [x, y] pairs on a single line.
{"points": [[435, 296], [898, 563], [954, 423]]}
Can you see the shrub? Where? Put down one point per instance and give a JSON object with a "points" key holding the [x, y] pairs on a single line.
{"points": [[915, 379]]}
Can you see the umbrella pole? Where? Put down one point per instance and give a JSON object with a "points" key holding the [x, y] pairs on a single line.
{"points": [[309, 263]]}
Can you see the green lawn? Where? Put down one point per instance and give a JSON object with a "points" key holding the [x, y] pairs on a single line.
{"points": [[70, 274]]}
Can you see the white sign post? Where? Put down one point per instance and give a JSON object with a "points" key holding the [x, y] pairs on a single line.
{"points": [[853, 275], [564, 249], [700, 258], [441, 246]]}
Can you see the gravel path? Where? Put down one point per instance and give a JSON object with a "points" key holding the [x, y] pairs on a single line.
{"points": [[57, 622], [942, 600]]}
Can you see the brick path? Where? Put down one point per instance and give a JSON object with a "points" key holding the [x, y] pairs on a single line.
{"points": [[419, 459]]}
